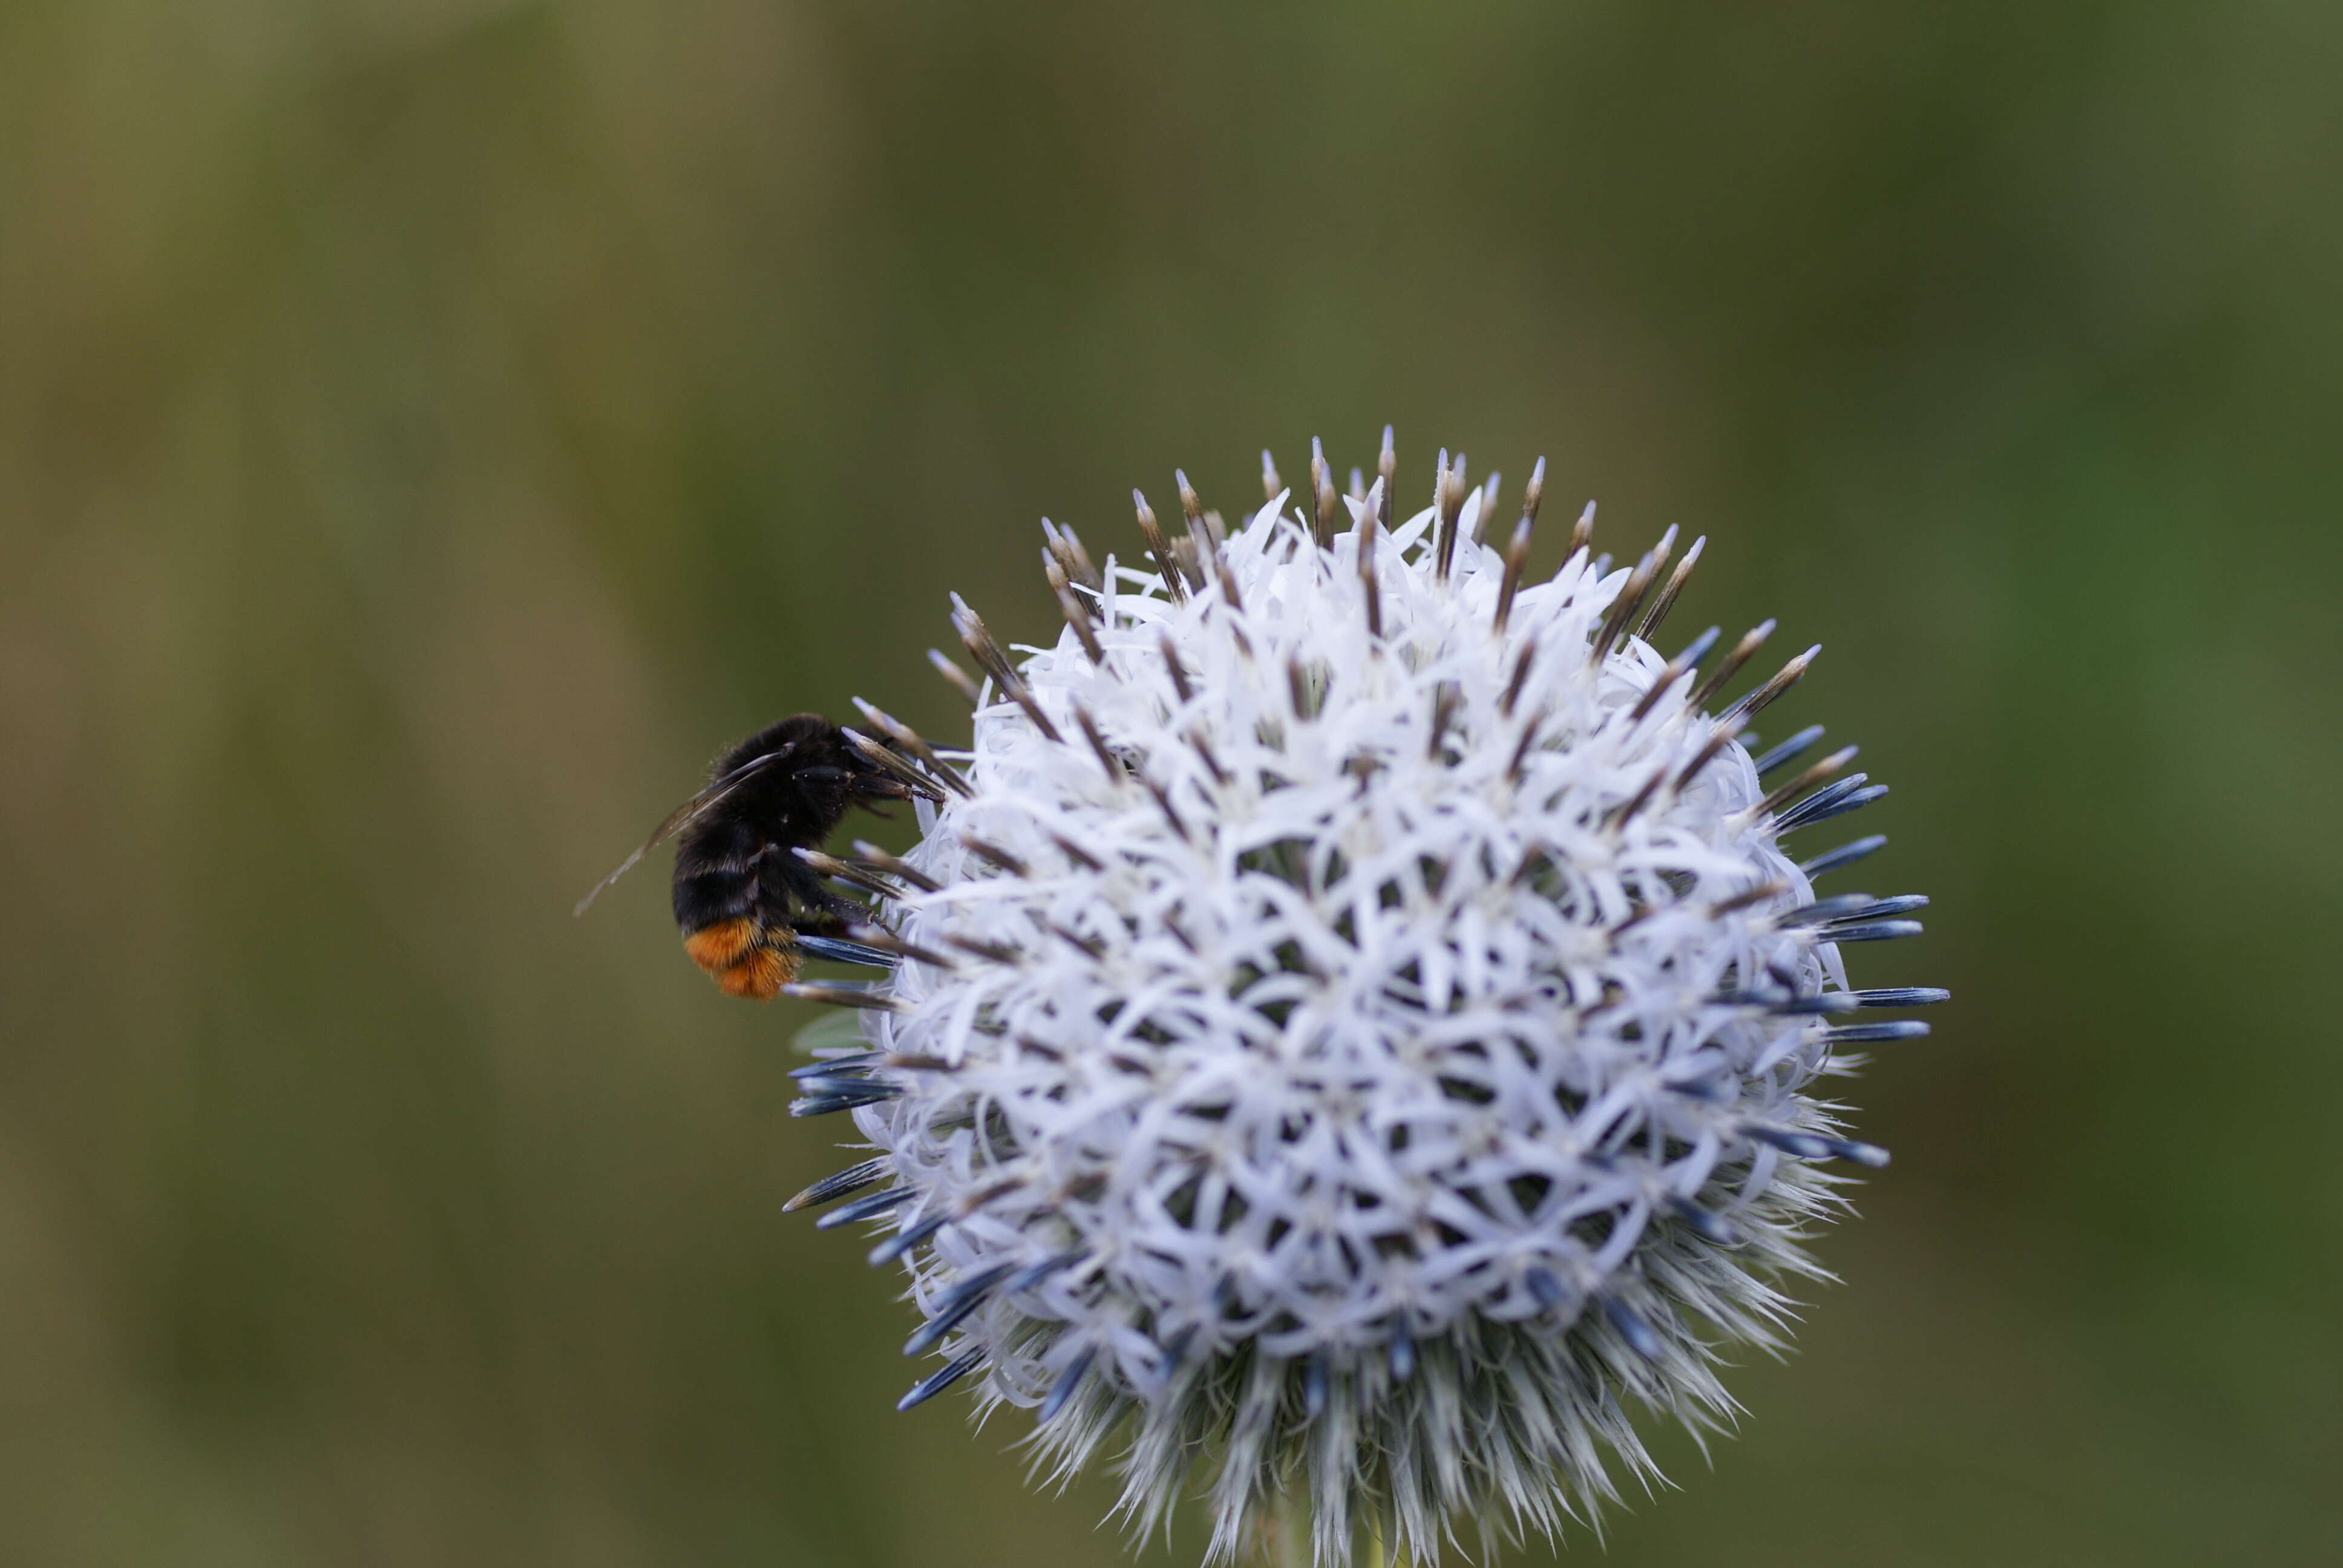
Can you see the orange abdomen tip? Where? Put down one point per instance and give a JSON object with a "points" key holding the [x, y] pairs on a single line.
{"points": [[718, 946], [759, 975]]}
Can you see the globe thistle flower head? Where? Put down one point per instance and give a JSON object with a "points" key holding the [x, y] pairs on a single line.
{"points": [[1355, 1018]]}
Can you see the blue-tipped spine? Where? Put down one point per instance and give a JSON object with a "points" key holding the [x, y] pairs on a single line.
{"points": [[936, 1382]]}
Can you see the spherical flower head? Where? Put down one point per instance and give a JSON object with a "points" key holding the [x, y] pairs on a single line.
{"points": [[1357, 1022]]}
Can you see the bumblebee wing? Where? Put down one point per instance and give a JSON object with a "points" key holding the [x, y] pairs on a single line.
{"points": [[685, 815]]}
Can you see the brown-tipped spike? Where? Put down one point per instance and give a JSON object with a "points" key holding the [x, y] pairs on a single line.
{"points": [[1196, 559], [1210, 758], [1163, 804], [1370, 537], [1179, 672], [1078, 564], [1662, 684], [1665, 548], [957, 676], [1078, 618], [1534, 493], [1725, 730], [1386, 470], [910, 778], [1517, 551], [1488, 508], [1448, 497], [1358, 491], [1517, 548], [1749, 706], [1270, 483], [839, 996], [1647, 572], [879, 719], [1751, 640], [988, 655], [1522, 748], [1804, 781], [1216, 528], [1521, 677], [1667, 599], [1115, 771], [1631, 594], [1322, 496], [1160, 548], [847, 871], [1073, 564], [1747, 897], [1184, 556], [979, 641], [1076, 853], [1439, 495], [1639, 800], [1581, 533], [1445, 701], [904, 736], [895, 867], [1088, 946], [1228, 595], [992, 854], [991, 952]]}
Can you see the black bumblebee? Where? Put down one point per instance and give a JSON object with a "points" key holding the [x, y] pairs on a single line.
{"points": [[750, 911]]}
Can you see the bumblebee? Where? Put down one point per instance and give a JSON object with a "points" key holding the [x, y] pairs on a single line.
{"points": [[749, 910]]}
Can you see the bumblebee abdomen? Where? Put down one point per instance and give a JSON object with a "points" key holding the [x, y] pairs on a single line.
{"points": [[745, 956], [708, 897], [730, 927], [717, 947]]}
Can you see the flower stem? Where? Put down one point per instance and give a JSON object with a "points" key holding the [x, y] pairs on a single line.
{"points": [[1285, 1532]]}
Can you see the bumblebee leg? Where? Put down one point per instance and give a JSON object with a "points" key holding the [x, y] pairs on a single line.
{"points": [[796, 881]]}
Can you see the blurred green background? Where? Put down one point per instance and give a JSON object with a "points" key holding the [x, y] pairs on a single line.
{"points": [[430, 428]]}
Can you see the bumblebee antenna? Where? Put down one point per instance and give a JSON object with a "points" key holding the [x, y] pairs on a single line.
{"points": [[683, 816]]}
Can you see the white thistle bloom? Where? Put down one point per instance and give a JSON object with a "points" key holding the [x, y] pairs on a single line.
{"points": [[1354, 1023]]}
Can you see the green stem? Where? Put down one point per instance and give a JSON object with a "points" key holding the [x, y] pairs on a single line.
{"points": [[1285, 1535], [1286, 1531]]}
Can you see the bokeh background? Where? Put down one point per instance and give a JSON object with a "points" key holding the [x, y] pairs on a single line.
{"points": [[430, 428]]}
